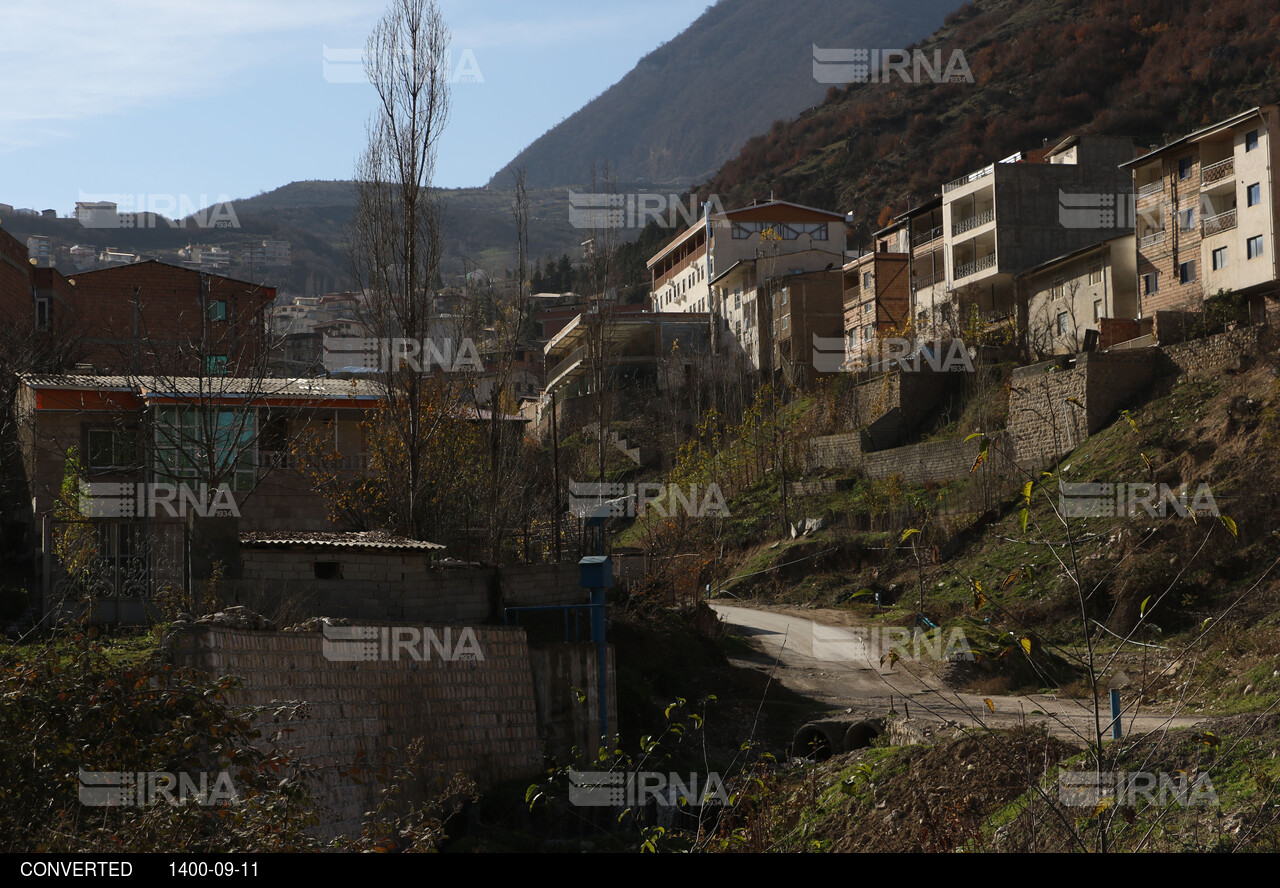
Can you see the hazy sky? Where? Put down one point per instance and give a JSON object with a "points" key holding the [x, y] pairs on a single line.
{"points": [[235, 97]]}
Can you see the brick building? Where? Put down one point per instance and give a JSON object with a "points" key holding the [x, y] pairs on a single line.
{"points": [[1206, 207]]}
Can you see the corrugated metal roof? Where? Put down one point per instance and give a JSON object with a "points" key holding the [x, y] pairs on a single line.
{"points": [[336, 540], [209, 386]]}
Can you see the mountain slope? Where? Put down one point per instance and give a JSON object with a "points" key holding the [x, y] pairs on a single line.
{"points": [[1043, 69], [690, 104]]}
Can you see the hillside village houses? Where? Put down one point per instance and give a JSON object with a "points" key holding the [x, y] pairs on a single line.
{"points": [[1084, 244]]}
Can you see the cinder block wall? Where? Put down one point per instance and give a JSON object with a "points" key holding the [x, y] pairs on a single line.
{"points": [[395, 586], [476, 717]]}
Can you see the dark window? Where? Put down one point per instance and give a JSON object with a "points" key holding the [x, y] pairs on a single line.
{"points": [[328, 570], [1184, 167], [1250, 140], [111, 449]]}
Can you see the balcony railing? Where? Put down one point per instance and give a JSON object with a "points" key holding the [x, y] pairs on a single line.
{"points": [[1219, 223], [973, 221], [972, 177], [1151, 188], [927, 237], [1215, 172], [964, 269], [1154, 237], [927, 280], [575, 355]]}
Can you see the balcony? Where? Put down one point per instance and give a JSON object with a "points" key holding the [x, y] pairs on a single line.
{"points": [[572, 358], [1151, 239], [964, 269], [1151, 188], [1215, 172], [972, 177], [1219, 223], [987, 215], [923, 281], [927, 237]]}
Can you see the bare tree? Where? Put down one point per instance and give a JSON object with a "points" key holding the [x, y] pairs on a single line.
{"points": [[397, 238]]}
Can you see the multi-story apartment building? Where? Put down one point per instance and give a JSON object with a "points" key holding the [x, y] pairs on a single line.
{"points": [[40, 248], [1017, 213], [266, 253], [877, 299], [806, 307], [719, 266], [918, 233], [1071, 295], [1206, 208]]}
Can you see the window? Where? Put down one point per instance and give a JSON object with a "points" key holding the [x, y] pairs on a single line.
{"points": [[784, 295], [111, 449], [1062, 323], [866, 279], [1219, 258], [1187, 219], [868, 306], [1058, 288], [194, 445], [215, 365], [42, 313], [869, 332], [1250, 140], [1095, 273], [1150, 283], [1254, 195], [218, 310], [328, 570], [1254, 245], [1184, 167], [786, 322], [1097, 310], [1186, 272]]}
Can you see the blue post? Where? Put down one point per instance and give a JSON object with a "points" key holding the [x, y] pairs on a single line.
{"points": [[596, 573], [1115, 713]]}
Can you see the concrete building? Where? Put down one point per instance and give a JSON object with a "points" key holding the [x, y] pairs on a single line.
{"points": [[1015, 214], [1206, 207], [1071, 295], [755, 243]]}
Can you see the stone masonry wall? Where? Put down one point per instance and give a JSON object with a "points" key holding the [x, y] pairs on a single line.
{"points": [[1209, 355], [476, 716]]}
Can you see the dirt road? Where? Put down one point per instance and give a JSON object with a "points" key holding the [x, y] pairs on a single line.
{"points": [[839, 665]]}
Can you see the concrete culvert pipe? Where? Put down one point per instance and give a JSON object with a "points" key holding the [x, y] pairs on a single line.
{"points": [[818, 741], [860, 734]]}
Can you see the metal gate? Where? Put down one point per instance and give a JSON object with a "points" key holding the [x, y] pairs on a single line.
{"points": [[114, 566]]}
